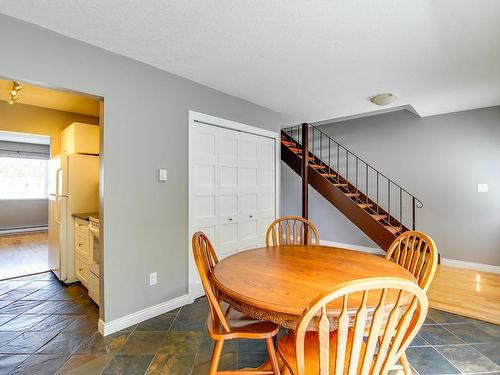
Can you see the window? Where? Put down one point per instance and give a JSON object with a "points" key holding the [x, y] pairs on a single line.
{"points": [[23, 178]]}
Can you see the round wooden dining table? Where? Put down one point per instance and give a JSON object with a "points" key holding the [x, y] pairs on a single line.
{"points": [[277, 283]]}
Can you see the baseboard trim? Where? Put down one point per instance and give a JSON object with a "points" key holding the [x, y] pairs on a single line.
{"points": [[21, 230], [365, 249], [470, 265], [107, 328]]}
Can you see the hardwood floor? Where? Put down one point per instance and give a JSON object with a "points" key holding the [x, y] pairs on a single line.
{"points": [[23, 254], [469, 293]]}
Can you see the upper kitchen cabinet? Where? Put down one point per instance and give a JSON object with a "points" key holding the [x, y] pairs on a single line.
{"points": [[79, 138]]}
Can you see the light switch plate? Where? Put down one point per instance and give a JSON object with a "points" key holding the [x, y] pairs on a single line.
{"points": [[152, 279], [162, 175], [482, 188]]}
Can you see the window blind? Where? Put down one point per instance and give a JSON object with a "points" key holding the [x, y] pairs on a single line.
{"points": [[24, 150]]}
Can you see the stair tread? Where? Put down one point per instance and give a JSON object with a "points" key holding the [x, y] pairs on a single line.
{"points": [[352, 194], [328, 174], [365, 205], [392, 229], [316, 166], [340, 185], [379, 217]]}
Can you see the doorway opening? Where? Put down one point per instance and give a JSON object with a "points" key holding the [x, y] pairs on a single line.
{"points": [[50, 169], [23, 203]]}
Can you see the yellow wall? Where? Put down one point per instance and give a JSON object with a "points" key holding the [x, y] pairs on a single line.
{"points": [[23, 118]]}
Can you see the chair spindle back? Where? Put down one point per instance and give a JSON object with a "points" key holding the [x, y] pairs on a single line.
{"points": [[395, 325], [292, 230], [416, 252]]}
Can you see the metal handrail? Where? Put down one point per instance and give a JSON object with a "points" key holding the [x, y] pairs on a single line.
{"points": [[338, 148]]}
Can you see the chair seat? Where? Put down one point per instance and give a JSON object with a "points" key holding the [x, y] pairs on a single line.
{"points": [[241, 326], [286, 347]]}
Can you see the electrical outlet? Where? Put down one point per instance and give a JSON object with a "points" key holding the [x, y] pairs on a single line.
{"points": [[152, 279]]}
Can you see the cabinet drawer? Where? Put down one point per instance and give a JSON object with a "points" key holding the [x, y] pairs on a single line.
{"points": [[82, 226], [81, 244], [82, 269]]}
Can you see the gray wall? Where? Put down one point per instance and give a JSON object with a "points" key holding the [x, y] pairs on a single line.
{"points": [[439, 159], [145, 128], [23, 213]]}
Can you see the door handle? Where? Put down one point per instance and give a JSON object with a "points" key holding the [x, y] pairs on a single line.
{"points": [[230, 219], [251, 216], [58, 196], [58, 211], [58, 207], [59, 170]]}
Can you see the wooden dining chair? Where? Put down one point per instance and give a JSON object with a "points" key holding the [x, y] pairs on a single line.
{"points": [[290, 230], [225, 323], [416, 252], [341, 347]]}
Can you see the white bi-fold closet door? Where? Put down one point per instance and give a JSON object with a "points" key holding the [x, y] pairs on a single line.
{"points": [[246, 196], [233, 190], [232, 187]]}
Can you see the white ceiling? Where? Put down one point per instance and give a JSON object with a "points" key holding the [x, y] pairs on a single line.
{"points": [[310, 60]]}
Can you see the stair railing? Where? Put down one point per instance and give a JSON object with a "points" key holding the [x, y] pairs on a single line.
{"points": [[360, 177]]}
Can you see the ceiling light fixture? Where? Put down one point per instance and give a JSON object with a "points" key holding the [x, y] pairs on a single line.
{"points": [[16, 87], [383, 99]]}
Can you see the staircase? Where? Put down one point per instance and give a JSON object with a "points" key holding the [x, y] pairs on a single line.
{"points": [[374, 203]]}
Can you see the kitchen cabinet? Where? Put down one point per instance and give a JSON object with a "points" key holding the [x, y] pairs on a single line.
{"points": [[82, 250], [79, 138]]}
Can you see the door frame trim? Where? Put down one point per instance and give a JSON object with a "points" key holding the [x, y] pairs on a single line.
{"points": [[194, 289]]}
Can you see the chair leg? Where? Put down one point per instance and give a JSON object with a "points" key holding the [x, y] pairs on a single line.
{"points": [[214, 364], [405, 364], [272, 355]]}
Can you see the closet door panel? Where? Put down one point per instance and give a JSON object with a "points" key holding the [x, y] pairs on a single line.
{"points": [[228, 180], [248, 234], [267, 187], [204, 179], [248, 183], [248, 163], [228, 239], [248, 219], [228, 163], [247, 178], [249, 147], [248, 205]]}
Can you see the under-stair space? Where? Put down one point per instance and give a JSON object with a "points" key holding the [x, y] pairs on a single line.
{"points": [[377, 205]]}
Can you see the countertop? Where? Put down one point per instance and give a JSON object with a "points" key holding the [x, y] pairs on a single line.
{"points": [[86, 215]]}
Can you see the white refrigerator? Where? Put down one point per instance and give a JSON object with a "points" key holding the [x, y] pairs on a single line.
{"points": [[73, 188]]}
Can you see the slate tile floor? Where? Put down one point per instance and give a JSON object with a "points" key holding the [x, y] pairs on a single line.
{"points": [[48, 328]]}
